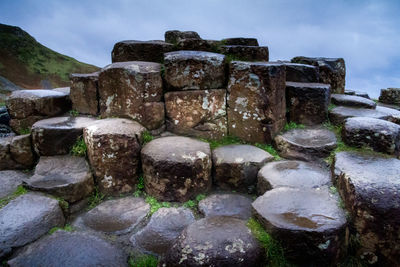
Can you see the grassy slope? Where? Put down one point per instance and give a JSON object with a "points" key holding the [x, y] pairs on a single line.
{"points": [[29, 64]]}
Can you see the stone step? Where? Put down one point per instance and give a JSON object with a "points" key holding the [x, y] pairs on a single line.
{"points": [[215, 240], [226, 204], [27, 218], [9, 182], [235, 167], [174, 36], [292, 173], [308, 223], [370, 187], [339, 114], [67, 177], [85, 93], [352, 101], [176, 168], [306, 144], [133, 50], [56, 136], [380, 135], [301, 73], [246, 52], [195, 44], [16, 152]]}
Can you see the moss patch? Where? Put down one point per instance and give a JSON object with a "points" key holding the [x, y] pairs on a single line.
{"points": [[18, 192], [79, 149], [67, 228], [143, 261]]}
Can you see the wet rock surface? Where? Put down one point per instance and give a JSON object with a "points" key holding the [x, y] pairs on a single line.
{"points": [[67, 177], [175, 36], [85, 93], [339, 114], [27, 218], [235, 167], [256, 100], [164, 227], [301, 73], [56, 136], [390, 96], [309, 223], [4, 116], [369, 185], [16, 152], [215, 241], [307, 102], [306, 144], [113, 148], [225, 204], [292, 173], [198, 113], [176, 168], [70, 249], [9, 181], [352, 101], [133, 50], [5, 131], [245, 52]]}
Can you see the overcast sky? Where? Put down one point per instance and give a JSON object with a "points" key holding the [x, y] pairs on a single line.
{"points": [[365, 33]]}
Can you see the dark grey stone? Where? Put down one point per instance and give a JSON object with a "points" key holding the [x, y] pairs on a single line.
{"points": [[240, 41], [175, 36], [352, 101], [246, 53], [339, 114], [301, 73], [9, 181], [132, 50], [390, 96]]}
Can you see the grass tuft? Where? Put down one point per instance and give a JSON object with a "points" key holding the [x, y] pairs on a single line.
{"points": [[155, 205], [143, 261], [226, 140], [95, 199], [79, 148], [292, 125], [147, 137], [18, 192], [74, 113], [67, 228], [23, 131]]}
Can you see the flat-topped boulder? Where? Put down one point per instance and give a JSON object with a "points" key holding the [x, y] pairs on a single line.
{"points": [[240, 41], [70, 249], [292, 173], [352, 101], [174, 36], [332, 71], [56, 136], [193, 70], [308, 223], [28, 106], [215, 241], [133, 50], [306, 144], [16, 152], [382, 136], [84, 93], [117, 216], [236, 166], [176, 168], [164, 227], [68, 177], [256, 100], [349, 92], [226, 204], [113, 148], [369, 185], [301, 73], [338, 115], [27, 218], [132, 89], [390, 96], [246, 52], [198, 113], [9, 181], [362, 94]]}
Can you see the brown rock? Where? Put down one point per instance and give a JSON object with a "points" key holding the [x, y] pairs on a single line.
{"points": [[175, 36], [390, 96], [21, 150], [84, 93], [195, 44], [301, 73], [246, 53], [132, 50]]}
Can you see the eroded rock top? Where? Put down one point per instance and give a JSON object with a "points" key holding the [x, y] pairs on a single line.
{"points": [[240, 154], [133, 67], [115, 126], [310, 137]]}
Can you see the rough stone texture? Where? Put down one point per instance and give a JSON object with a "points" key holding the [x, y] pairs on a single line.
{"points": [[185, 70], [370, 187], [352, 101], [246, 53], [16, 152], [307, 102], [380, 135], [113, 147], [27, 218], [224, 204], [175, 36], [132, 50], [305, 144], [70, 249], [67, 177], [362, 94], [9, 181], [134, 90], [176, 168], [292, 173], [56, 136], [240, 41], [85, 93], [28, 106], [199, 113], [194, 44], [332, 71], [390, 96], [163, 228], [117, 216], [256, 100], [301, 73], [5, 131], [339, 114], [308, 223], [235, 167], [215, 241]]}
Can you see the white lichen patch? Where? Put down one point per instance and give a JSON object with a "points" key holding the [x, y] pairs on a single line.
{"points": [[201, 155], [237, 246], [107, 181], [185, 251]]}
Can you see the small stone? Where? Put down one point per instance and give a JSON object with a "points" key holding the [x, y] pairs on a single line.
{"points": [[175, 36], [246, 53], [352, 101], [301, 73], [338, 115], [21, 151], [85, 92], [390, 96], [132, 50], [240, 41], [224, 204], [9, 181]]}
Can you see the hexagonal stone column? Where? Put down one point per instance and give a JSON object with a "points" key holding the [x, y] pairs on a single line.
{"points": [[352, 101], [301, 73], [245, 52], [191, 70], [240, 41], [308, 223], [175, 36], [176, 168], [198, 113], [16, 152], [113, 147], [236, 166], [256, 100], [307, 102], [390, 96], [132, 50], [370, 187], [134, 90], [84, 93], [339, 114]]}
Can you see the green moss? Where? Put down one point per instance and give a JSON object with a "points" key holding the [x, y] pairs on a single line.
{"points": [[331, 106], [79, 149], [200, 197], [74, 113], [191, 204], [155, 205], [18, 192], [63, 203], [147, 137], [226, 140], [143, 261], [270, 149], [67, 228], [24, 131], [95, 199], [292, 125]]}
